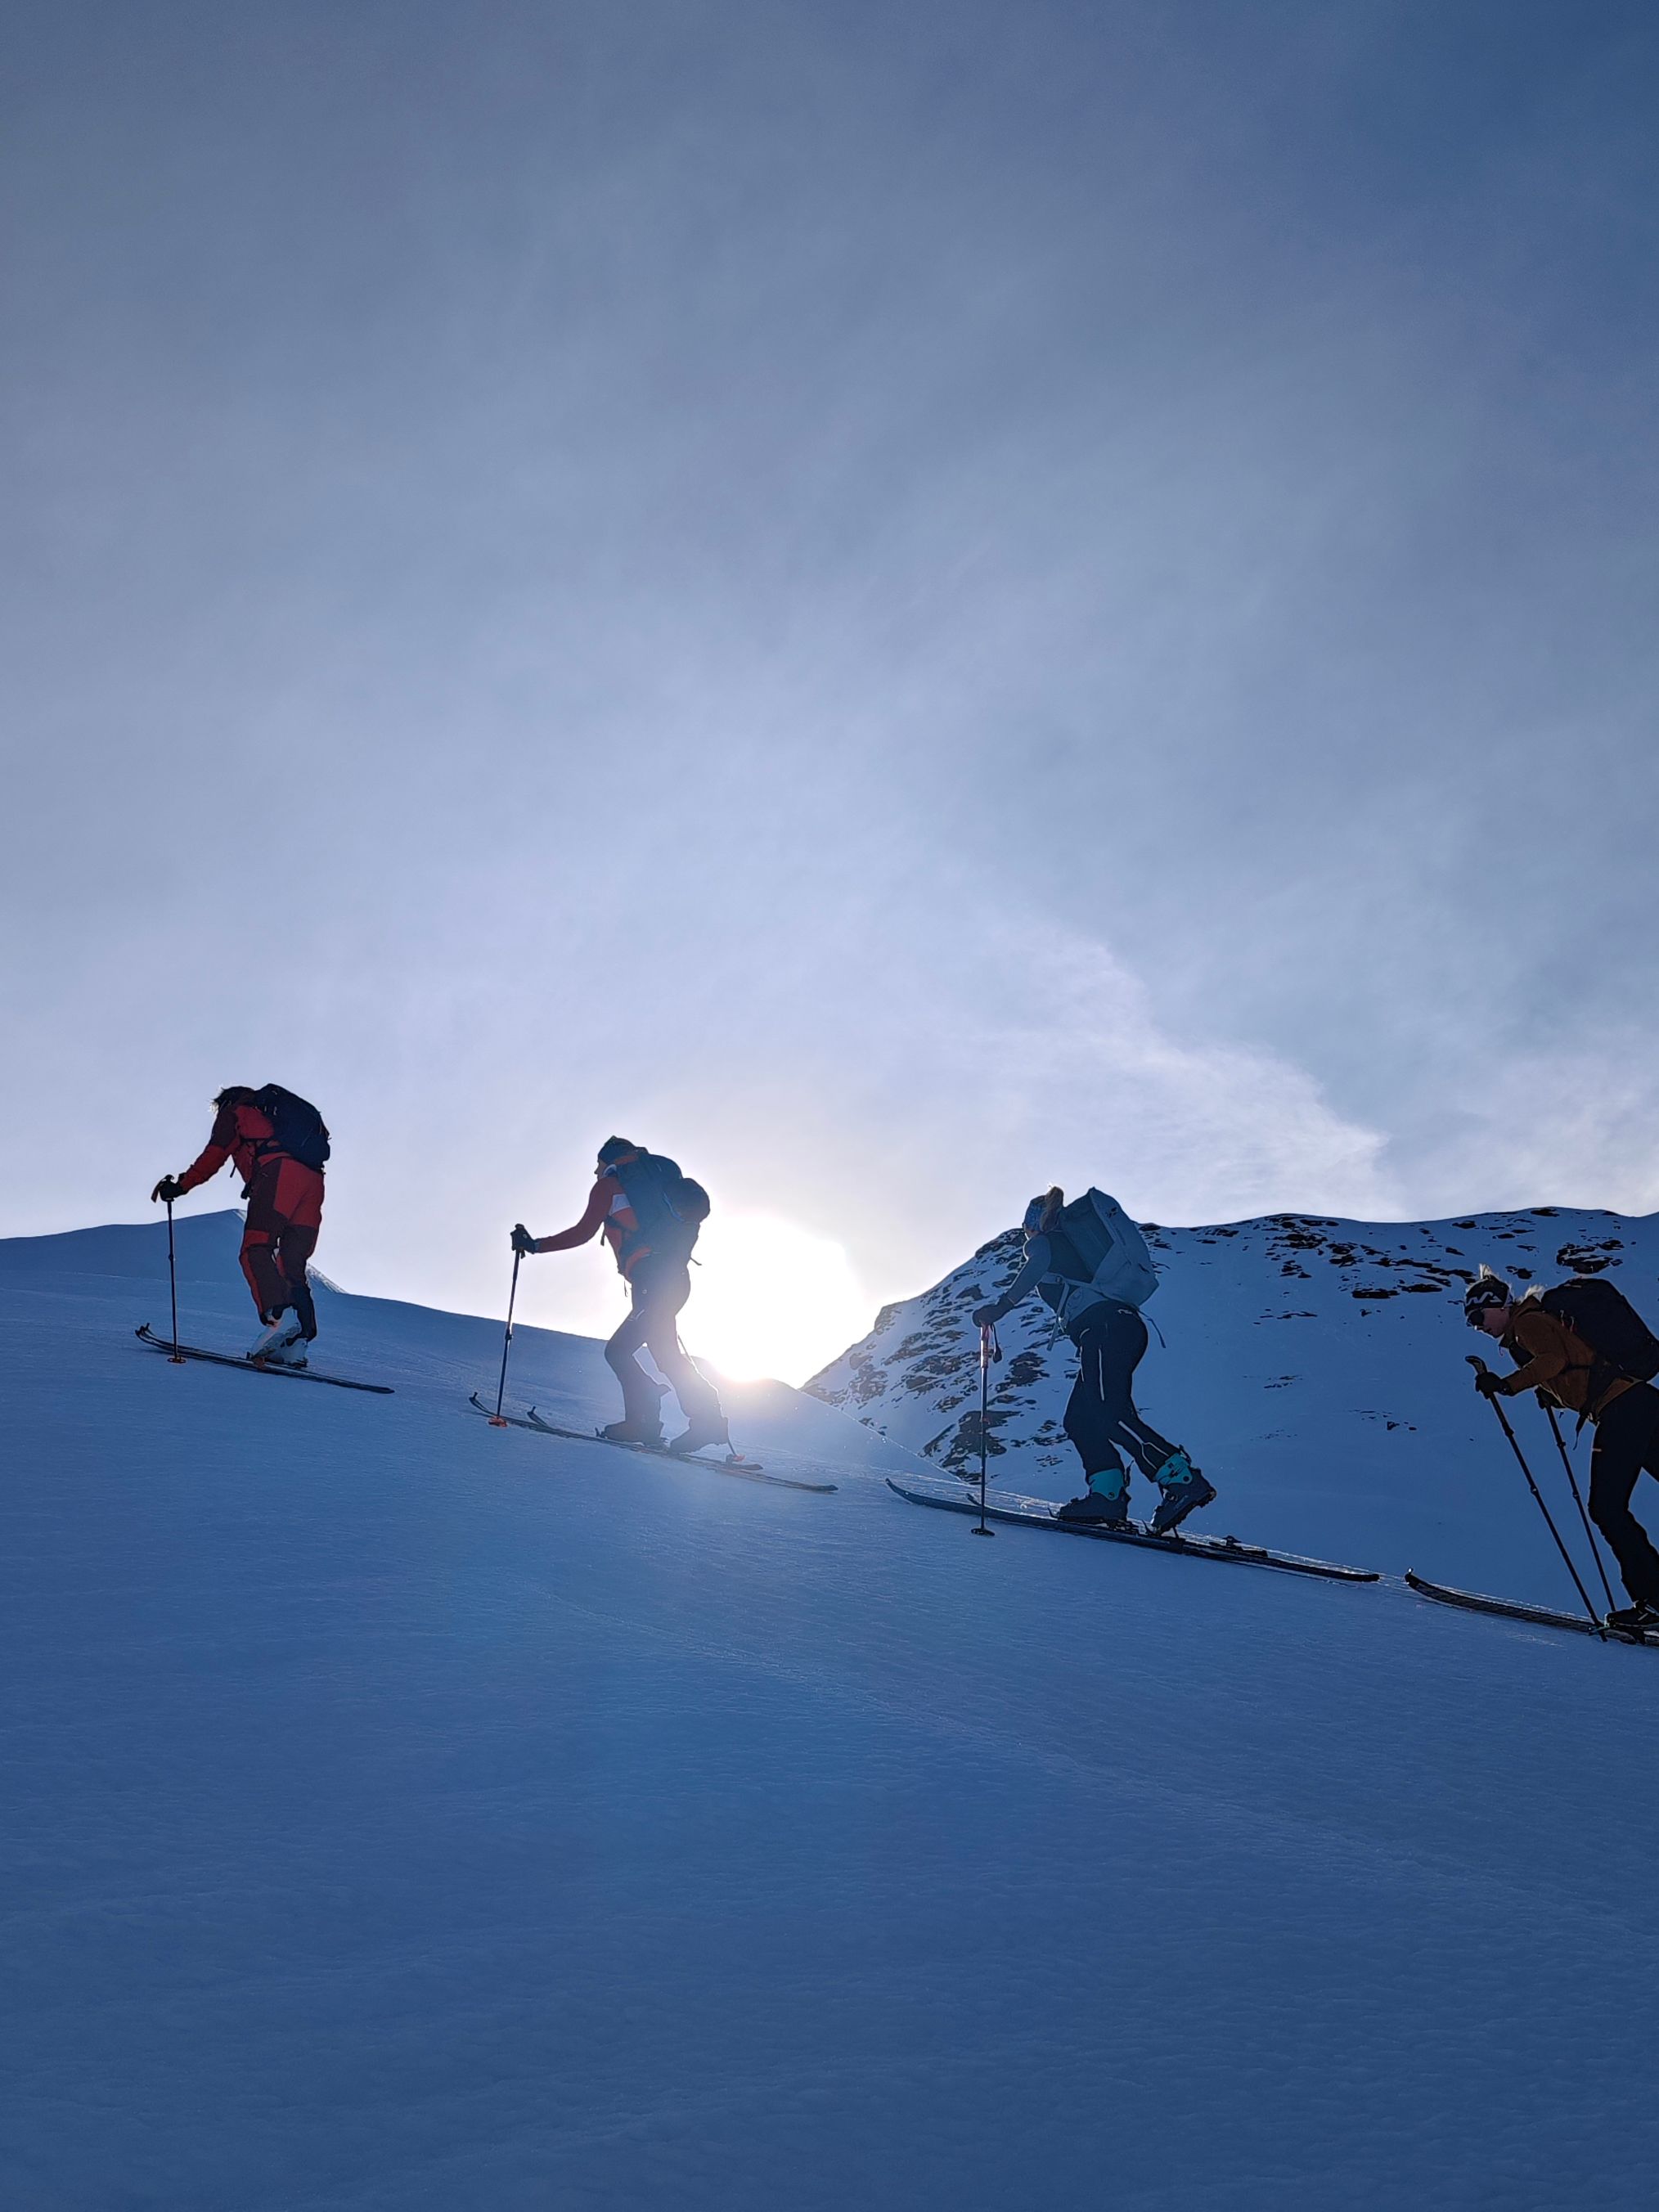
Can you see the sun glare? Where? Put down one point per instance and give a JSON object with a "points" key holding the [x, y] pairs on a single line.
{"points": [[772, 1299]]}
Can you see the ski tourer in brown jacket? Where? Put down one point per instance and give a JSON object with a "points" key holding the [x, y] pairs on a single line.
{"points": [[1554, 1359], [1556, 1362]]}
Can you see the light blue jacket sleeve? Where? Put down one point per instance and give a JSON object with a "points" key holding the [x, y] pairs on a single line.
{"points": [[1038, 1263]]}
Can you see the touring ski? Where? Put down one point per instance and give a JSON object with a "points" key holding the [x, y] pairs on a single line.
{"points": [[1038, 1513], [1541, 1616], [750, 1469], [147, 1335]]}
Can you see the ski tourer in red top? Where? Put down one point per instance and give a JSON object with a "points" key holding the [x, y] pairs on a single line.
{"points": [[649, 1213], [277, 1143]]}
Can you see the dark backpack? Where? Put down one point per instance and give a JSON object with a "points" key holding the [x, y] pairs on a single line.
{"points": [[297, 1128], [669, 1206], [1606, 1321]]}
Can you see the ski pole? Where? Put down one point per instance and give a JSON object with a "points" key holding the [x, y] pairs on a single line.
{"points": [[498, 1419], [1577, 1499], [1503, 1423], [176, 1357], [987, 1339]]}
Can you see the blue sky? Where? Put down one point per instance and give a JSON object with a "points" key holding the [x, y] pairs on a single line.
{"points": [[905, 603]]}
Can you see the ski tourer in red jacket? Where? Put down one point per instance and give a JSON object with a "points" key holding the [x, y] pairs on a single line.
{"points": [[284, 1215]]}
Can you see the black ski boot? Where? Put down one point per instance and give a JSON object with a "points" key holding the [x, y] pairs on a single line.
{"points": [[698, 1437], [1098, 1508], [1635, 1620], [633, 1432]]}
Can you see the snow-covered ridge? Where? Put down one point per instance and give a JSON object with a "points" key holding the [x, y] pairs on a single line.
{"points": [[1289, 1296], [403, 1814]]}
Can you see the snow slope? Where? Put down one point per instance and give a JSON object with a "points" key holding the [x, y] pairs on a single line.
{"points": [[403, 1814], [1313, 1368]]}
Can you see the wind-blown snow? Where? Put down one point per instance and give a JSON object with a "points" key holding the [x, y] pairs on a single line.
{"points": [[405, 1814]]}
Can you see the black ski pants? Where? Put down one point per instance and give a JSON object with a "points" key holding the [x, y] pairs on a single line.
{"points": [[1626, 1441], [1100, 1415], [659, 1293]]}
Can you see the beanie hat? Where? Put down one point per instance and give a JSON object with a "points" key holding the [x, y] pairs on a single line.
{"points": [[615, 1148], [1487, 1290]]}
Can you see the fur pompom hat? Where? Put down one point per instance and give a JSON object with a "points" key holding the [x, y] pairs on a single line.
{"points": [[1487, 1290]]}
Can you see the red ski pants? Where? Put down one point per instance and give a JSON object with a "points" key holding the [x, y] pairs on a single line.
{"points": [[284, 1216]]}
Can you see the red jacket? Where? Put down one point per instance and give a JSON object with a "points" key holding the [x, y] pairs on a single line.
{"points": [[241, 1133], [607, 1209]]}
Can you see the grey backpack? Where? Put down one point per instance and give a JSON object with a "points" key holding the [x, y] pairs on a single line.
{"points": [[1098, 1249]]}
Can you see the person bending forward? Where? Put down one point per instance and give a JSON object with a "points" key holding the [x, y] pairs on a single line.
{"points": [[284, 1216], [1555, 1361]]}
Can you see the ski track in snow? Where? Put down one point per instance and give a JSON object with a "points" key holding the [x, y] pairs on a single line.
{"points": [[405, 1813]]}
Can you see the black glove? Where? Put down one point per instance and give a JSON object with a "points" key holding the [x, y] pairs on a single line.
{"points": [[986, 1317], [1488, 1382], [523, 1242], [167, 1190]]}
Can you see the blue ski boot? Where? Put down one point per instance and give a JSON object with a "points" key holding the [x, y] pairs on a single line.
{"points": [[1185, 1490]]}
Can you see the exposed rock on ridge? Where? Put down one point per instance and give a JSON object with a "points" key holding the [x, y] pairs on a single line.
{"points": [[915, 1376]]}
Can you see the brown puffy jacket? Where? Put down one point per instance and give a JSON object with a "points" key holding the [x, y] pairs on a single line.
{"points": [[1559, 1363]]}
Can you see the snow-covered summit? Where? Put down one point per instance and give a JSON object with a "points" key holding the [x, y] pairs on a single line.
{"points": [[205, 1246]]}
